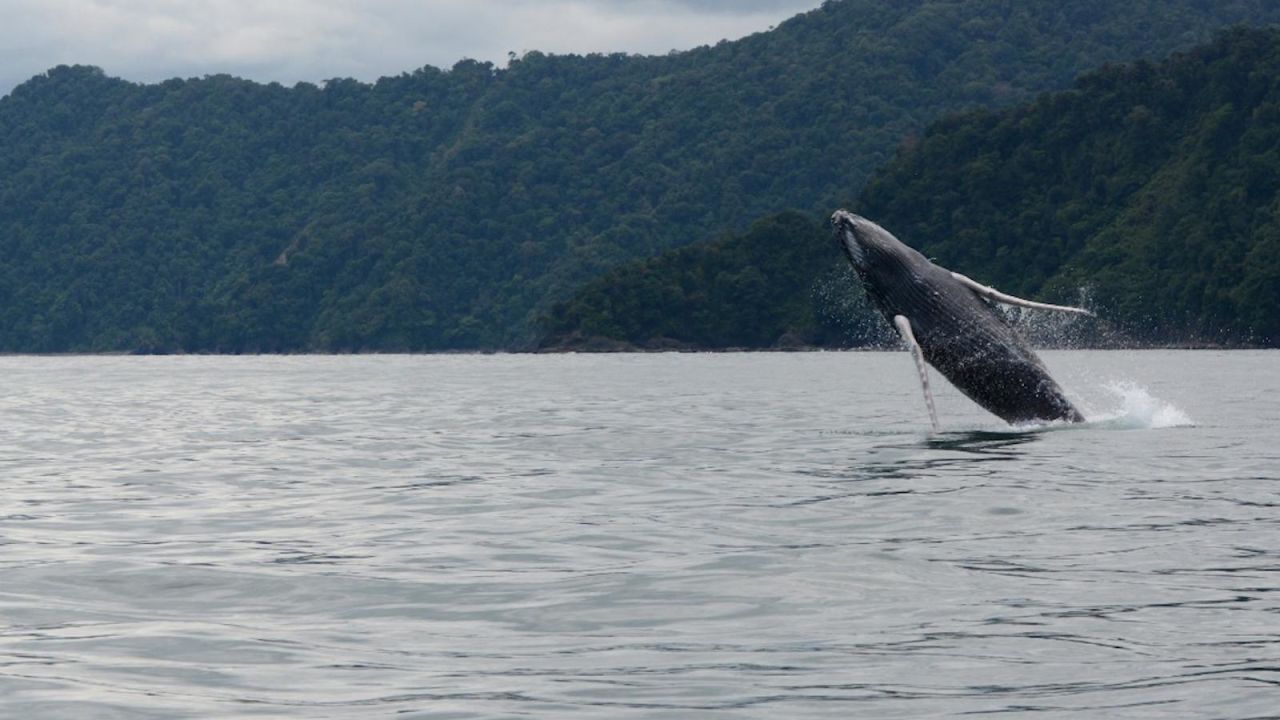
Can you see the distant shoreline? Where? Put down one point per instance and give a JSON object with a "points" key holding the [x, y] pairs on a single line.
{"points": [[606, 345], [616, 351]]}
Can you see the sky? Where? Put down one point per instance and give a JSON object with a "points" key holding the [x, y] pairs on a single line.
{"points": [[288, 41]]}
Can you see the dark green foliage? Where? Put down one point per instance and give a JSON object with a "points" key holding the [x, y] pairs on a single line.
{"points": [[1150, 192], [1154, 189], [449, 209], [735, 292]]}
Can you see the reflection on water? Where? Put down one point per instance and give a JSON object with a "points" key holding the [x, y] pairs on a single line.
{"points": [[973, 452], [983, 442], [629, 537]]}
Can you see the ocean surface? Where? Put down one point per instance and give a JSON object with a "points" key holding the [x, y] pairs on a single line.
{"points": [[634, 536]]}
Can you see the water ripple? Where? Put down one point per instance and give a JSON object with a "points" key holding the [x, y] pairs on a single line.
{"points": [[732, 536]]}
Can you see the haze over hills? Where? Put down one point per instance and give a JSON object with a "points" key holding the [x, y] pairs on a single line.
{"points": [[447, 210], [1154, 187]]}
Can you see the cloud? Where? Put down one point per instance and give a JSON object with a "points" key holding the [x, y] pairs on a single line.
{"points": [[295, 40]]}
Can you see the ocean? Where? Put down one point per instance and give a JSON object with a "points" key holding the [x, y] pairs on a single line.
{"points": [[773, 535]]}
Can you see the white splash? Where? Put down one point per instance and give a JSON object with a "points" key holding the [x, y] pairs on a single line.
{"points": [[1139, 410]]}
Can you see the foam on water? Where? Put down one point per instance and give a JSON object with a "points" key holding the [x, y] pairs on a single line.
{"points": [[1138, 410], [1133, 408]]}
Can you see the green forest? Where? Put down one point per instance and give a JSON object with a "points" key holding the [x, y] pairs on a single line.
{"points": [[776, 285], [452, 209], [1150, 192]]}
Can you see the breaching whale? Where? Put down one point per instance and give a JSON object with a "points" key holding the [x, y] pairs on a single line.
{"points": [[948, 321]]}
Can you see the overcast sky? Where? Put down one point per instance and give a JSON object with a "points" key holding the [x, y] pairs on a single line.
{"points": [[292, 40]]}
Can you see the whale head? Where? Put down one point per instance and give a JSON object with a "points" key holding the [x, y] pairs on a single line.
{"points": [[864, 242]]}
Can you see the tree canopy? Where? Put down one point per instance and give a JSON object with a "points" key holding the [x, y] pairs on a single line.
{"points": [[450, 209], [774, 286], [1150, 192], [1152, 189]]}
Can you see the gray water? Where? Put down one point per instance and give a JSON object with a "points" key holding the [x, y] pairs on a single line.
{"points": [[634, 536]]}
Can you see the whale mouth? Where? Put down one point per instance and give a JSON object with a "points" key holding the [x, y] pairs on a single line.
{"points": [[841, 218], [845, 226]]}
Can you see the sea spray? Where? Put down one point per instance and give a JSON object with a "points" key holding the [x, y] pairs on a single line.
{"points": [[1138, 409]]}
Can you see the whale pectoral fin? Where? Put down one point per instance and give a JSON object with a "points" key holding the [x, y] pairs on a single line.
{"points": [[996, 296], [904, 329]]}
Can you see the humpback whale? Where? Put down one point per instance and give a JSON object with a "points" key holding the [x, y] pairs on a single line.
{"points": [[951, 323]]}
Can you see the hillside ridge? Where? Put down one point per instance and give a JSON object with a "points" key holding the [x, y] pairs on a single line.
{"points": [[449, 209]]}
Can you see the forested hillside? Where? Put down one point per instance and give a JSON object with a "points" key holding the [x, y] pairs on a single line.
{"points": [[1156, 188], [773, 286], [447, 209], [1153, 189]]}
